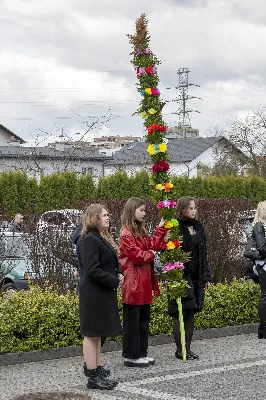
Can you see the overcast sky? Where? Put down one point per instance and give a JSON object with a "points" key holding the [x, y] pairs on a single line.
{"points": [[64, 62]]}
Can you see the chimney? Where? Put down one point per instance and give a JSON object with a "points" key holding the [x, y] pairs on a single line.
{"points": [[13, 142]]}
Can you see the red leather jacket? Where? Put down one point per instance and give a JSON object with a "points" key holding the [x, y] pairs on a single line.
{"points": [[136, 260]]}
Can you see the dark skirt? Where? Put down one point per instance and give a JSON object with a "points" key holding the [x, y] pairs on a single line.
{"points": [[193, 300]]}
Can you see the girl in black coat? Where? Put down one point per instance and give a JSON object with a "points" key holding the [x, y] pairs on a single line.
{"points": [[196, 272], [259, 237], [99, 314]]}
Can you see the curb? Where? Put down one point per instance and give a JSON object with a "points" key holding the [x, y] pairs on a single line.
{"points": [[74, 351]]}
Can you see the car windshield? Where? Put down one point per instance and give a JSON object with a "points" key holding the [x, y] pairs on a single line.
{"points": [[8, 265], [13, 246]]}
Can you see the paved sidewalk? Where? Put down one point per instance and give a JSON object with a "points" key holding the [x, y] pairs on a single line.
{"points": [[229, 368]]}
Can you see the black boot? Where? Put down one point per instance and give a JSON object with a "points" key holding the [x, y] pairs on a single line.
{"points": [[193, 355], [104, 371], [179, 355], [262, 332], [96, 381]]}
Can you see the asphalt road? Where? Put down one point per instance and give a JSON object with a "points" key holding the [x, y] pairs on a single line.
{"points": [[229, 368]]}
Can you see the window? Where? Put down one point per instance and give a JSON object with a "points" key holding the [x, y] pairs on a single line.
{"points": [[86, 170]]}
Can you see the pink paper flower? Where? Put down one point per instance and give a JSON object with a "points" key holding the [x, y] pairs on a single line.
{"points": [[171, 266]]}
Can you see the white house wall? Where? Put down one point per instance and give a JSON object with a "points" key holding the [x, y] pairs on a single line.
{"points": [[178, 169], [4, 137], [33, 167]]}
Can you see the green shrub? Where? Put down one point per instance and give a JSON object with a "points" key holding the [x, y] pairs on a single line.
{"points": [[38, 319], [43, 319], [20, 193], [229, 304]]}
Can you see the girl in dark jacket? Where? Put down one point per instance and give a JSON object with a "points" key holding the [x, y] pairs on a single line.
{"points": [[258, 234], [99, 314], [196, 272]]}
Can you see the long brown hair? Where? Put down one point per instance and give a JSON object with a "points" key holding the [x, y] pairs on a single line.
{"points": [[182, 206], [129, 219], [91, 221]]}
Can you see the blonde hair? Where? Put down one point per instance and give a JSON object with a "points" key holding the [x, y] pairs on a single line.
{"points": [[129, 218], [91, 221], [260, 215]]}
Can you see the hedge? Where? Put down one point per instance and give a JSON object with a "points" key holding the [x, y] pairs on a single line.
{"points": [[43, 318], [20, 193]]}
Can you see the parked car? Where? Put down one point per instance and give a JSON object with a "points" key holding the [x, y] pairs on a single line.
{"points": [[19, 264], [3, 225], [55, 229], [59, 221]]}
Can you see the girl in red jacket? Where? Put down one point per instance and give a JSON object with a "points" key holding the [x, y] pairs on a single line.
{"points": [[137, 263]]}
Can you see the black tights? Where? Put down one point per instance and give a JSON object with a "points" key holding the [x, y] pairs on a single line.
{"points": [[188, 316], [262, 302]]}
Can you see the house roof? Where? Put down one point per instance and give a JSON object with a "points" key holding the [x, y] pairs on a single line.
{"points": [[48, 153], [180, 150], [12, 134]]}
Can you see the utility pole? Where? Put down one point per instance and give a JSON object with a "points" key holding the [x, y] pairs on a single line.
{"points": [[183, 110]]}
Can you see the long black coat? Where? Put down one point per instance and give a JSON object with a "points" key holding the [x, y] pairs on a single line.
{"points": [[195, 293], [99, 314]]}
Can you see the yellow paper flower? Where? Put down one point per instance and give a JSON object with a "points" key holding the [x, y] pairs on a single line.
{"points": [[159, 186], [148, 90], [162, 147], [143, 114], [152, 111], [168, 225], [170, 245], [151, 149]]}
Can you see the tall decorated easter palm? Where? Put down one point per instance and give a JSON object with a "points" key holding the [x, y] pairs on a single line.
{"points": [[172, 257]]}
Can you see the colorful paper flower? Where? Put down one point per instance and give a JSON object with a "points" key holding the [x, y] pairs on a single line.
{"points": [[149, 70], [168, 225], [168, 186], [174, 222], [179, 265], [171, 266], [147, 50], [155, 91], [143, 114], [151, 149], [162, 147], [155, 127], [152, 111], [164, 246], [148, 90], [160, 166], [137, 51], [176, 243], [170, 245], [167, 204], [159, 186]]}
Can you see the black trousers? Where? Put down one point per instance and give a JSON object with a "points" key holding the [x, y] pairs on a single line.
{"points": [[262, 302], [136, 321], [188, 316]]}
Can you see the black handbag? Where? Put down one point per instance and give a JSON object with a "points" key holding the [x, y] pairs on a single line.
{"points": [[251, 252]]}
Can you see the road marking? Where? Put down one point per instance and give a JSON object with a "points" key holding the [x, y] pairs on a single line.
{"points": [[151, 393], [185, 375]]}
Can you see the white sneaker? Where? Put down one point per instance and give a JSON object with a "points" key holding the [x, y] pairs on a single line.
{"points": [[150, 360], [139, 362]]}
